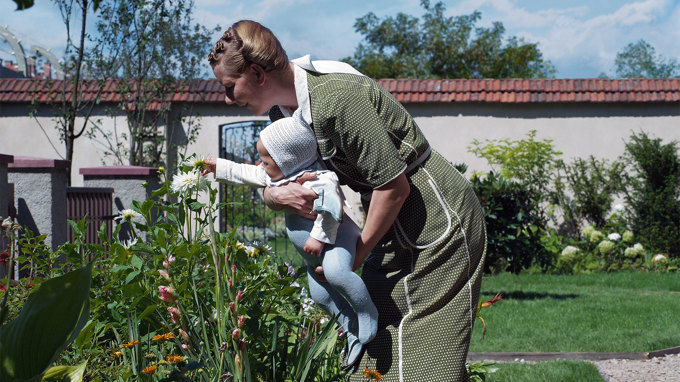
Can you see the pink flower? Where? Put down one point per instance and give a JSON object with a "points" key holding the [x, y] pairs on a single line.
{"points": [[167, 293], [239, 294], [232, 308], [230, 284], [164, 274], [185, 347], [174, 314], [241, 320], [168, 261], [236, 334]]}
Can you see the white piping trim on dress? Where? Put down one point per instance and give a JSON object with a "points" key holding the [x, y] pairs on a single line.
{"points": [[335, 150], [339, 80], [401, 323], [448, 218], [469, 258]]}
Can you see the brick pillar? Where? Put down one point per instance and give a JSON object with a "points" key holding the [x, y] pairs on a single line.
{"points": [[127, 182], [40, 196]]}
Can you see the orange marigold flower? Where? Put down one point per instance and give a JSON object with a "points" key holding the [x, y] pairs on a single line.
{"points": [[130, 344], [372, 375], [163, 337], [174, 358], [117, 354], [150, 369]]}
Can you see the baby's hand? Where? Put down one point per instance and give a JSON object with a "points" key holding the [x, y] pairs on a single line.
{"points": [[209, 165], [313, 246]]}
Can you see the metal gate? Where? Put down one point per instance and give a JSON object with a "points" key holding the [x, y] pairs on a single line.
{"points": [[96, 204], [246, 212]]}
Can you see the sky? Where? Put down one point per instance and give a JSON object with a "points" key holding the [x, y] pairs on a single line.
{"points": [[579, 37]]}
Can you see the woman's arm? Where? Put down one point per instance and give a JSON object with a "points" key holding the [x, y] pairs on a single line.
{"points": [[386, 203]]}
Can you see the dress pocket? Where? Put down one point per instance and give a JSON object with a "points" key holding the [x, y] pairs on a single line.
{"points": [[424, 219]]}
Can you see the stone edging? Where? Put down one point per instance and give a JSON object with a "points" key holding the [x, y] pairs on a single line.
{"points": [[585, 356]]}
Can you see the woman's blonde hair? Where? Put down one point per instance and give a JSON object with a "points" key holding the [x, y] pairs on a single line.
{"points": [[248, 42]]}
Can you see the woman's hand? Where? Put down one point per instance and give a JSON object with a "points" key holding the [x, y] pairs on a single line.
{"points": [[386, 203], [293, 197]]}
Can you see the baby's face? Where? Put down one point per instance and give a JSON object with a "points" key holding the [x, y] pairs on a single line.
{"points": [[270, 167]]}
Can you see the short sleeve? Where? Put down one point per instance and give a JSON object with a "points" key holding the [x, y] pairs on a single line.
{"points": [[351, 122]]}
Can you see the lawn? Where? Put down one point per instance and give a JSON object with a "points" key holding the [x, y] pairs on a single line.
{"points": [[562, 371], [617, 312]]}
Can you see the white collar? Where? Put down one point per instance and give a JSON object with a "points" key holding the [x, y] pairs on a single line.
{"points": [[300, 68]]}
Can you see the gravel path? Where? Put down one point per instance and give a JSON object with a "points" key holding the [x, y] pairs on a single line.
{"points": [[661, 369]]}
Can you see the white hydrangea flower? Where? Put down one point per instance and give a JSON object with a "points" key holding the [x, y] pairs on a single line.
{"points": [[628, 236], [605, 247], [189, 181], [619, 207], [596, 236], [570, 250], [659, 258], [614, 236], [634, 251], [587, 231]]}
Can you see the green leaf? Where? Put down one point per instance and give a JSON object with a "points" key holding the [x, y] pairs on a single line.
{"points": [[65, 373], [51, 318], [131, 276], [74, 226], [137, 262], [196, 206]]}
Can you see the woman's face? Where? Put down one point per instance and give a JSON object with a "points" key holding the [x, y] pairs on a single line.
{"points": [[243, 90]]}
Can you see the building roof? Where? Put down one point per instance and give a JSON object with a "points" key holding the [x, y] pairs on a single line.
{"points": [[593, 90]]}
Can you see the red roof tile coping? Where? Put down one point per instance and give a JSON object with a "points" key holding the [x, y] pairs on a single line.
{"points": [[118, 171], [510, 90], [33, 162], [4, 158]]}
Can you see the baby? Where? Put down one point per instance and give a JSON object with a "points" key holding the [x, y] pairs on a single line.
{"points": [[288, 149]]}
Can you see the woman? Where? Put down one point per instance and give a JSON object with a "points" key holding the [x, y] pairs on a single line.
{"points": [[424, 226]]}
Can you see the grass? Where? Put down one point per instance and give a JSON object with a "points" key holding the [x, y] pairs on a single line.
{"points": [[563, 371], [617, 312]]}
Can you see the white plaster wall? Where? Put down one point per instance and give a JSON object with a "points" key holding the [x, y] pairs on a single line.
{"points": [[578, 130], [21, 135]]}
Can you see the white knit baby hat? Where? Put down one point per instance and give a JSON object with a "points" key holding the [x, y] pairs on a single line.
{"points": [[291, 144]]}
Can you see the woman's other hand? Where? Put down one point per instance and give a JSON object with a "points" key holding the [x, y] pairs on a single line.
{"points": [[293, 197]]}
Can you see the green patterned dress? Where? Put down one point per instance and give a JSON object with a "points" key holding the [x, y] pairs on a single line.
{"points": [[425, 274]]}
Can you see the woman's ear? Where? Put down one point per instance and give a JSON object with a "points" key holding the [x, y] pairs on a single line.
{"points": [[259, 73]]}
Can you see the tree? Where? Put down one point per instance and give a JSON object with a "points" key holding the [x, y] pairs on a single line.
{"points": [[73, 111], [153, 49], [639, 60], [443, 47]]}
